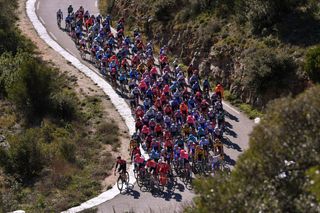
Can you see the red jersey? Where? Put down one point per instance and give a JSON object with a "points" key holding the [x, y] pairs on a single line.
{"points": [[151, 164], [121, 162], [163, 168]]}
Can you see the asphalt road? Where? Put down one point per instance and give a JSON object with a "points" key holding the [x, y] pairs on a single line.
{"points": [[239, 126]]}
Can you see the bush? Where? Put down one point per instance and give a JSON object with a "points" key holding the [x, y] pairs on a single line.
{"points": [[268, 74], [312, 64], [32, 88], [261, 14], [11, 39], [65, 106], [68, 151], [164, 9], [273, 175], [24, 159]]}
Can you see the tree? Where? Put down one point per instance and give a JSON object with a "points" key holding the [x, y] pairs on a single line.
{"points": [[273, 174]]}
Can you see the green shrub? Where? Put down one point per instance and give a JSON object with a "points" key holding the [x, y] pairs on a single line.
{"points": [[268, 74], [164, 9], [32, 88], [250, 111], [312, 64], [24, 158], [278, 172], [65, 105], [68, 151], [261, 14]]}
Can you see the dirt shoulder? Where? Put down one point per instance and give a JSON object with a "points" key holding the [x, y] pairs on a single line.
{"points": [[84, 87]]}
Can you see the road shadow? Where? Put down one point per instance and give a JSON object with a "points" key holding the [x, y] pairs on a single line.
{"points": [[230, 116], [227, 124], [180, 187], [226, 141], [129, 191], [171, 195], [229, 160], [230, 132]]}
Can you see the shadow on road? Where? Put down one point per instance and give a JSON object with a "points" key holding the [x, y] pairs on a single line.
{"points": [[230, 116], [230, 132], [229, 160], [169, 195], [231, 145], [131, 192], [228, 125]]}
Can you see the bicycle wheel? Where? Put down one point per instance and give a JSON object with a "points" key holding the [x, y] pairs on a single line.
{"points": [[120, 183], [139, 180], [127, 178], [160, 187], [135, 173]]}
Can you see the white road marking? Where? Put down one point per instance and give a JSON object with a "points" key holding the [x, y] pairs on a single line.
{"points": [[53, 36], [42, 20], [38, 5], [227, 105]]}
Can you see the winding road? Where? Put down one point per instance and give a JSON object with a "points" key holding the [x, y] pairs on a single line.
{"points": [[239, 126]]}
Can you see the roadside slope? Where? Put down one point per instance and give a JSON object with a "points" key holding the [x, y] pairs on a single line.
{"points": [[84, 85]]}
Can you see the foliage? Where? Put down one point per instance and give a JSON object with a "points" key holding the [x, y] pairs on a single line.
{"points": [[250, 111], [312, 64], [267, 74], [164, 9], [65, 105], [11, 39], [314, 186], [32, 89], [68, 150], [263, 15], [35, 88], [274, 174], [24, 158], [106, 6]]}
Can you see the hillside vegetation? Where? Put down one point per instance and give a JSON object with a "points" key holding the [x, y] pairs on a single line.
{"points": [[55, 145], [280, 172], [258, 49]]}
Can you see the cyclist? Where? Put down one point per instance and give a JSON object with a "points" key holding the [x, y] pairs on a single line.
{"points": [[206, 86], [184, 159], [163, 169], [219, 90], [151, 166], [70, 9], [138, 162], [59, 17], [122, 164]]}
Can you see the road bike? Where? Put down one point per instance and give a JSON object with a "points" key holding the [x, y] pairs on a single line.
{"points": [[59, 21], [123, 180]]}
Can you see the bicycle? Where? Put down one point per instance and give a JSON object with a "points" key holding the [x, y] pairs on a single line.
{"points": [[82, 53], [122, 180], [59, 22]]}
